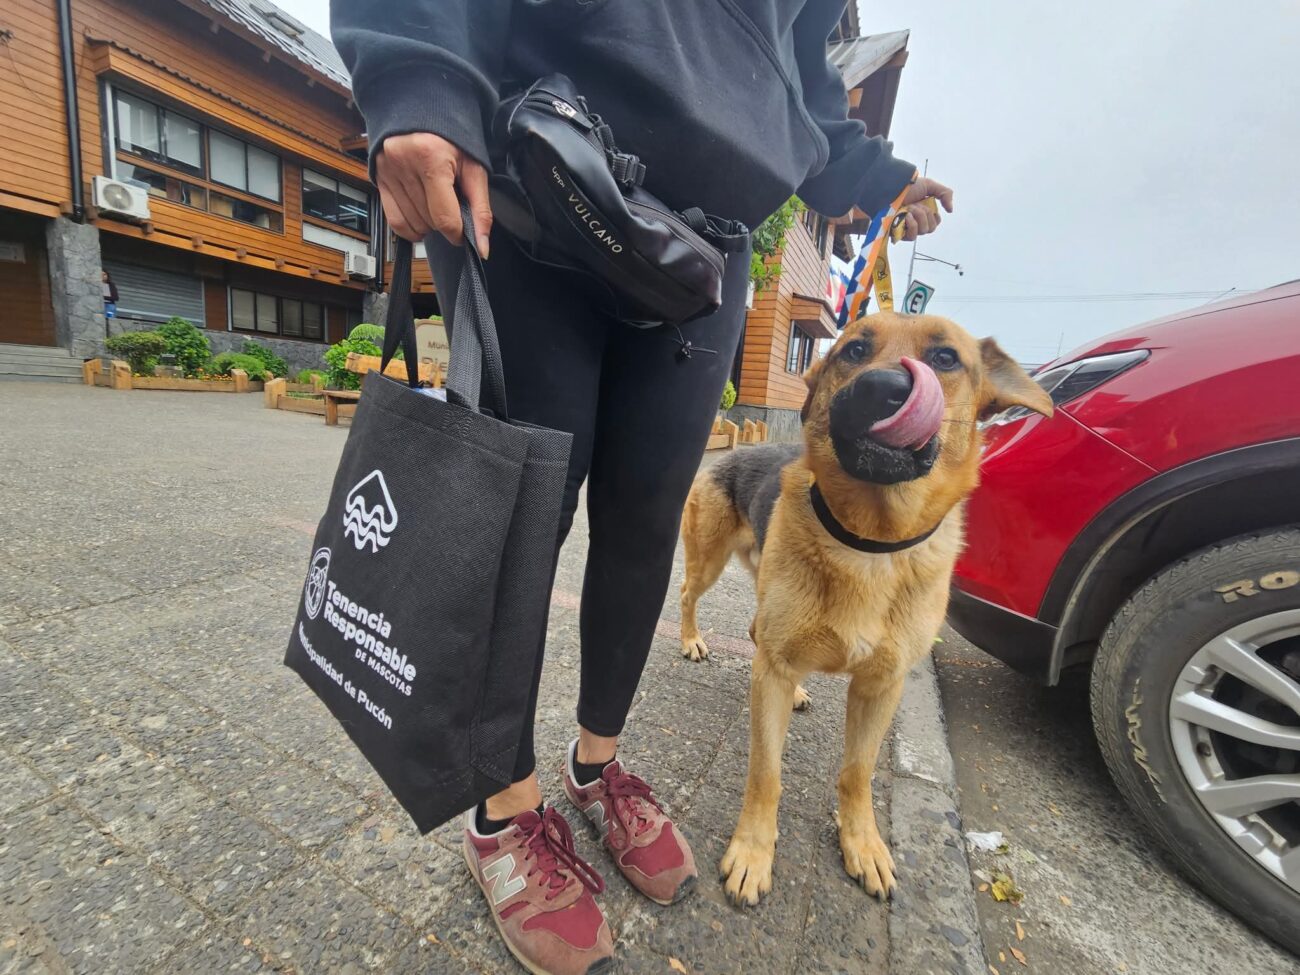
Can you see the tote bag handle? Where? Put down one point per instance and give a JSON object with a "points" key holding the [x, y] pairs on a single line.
{"points": [[475, 351]]}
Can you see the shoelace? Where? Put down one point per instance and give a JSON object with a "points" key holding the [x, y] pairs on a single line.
{"points": [[628, 792], [550, 843]]}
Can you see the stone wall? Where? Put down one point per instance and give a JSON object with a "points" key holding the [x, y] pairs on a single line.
{"points": [[299, 355], [374, 308], [783, 426], [76, 287]]}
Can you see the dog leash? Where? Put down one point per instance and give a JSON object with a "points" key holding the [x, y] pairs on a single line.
{"points": [[882, 281]]}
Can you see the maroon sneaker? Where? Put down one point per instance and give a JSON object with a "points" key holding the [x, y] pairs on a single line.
{"points": [[540, 892], [646, 847]]}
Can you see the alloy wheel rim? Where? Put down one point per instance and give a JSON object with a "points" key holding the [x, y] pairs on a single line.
{"points": [[1232, 712], [1212, 735]]}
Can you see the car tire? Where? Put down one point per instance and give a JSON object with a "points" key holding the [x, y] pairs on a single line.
{"points": [[1143, 652]]}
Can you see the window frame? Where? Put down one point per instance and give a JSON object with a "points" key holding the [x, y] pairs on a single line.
{"points": [[338, 196], [800, 350], [160, 124], [167, 168], [280, 301], [209, 131]]}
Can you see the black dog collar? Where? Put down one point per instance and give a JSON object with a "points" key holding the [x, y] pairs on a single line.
{"points": [[857, 542]]}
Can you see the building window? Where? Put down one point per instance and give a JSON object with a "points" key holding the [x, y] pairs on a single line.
{"points": [[243, 167], [147, 130], [819, 228], [326, 198], [167, 139], [165, 187], [252, 311], [799, 355], [258, 216]]}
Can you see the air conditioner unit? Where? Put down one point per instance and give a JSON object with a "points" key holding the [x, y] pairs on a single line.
{"points": [[358, 265], [120, 198]]}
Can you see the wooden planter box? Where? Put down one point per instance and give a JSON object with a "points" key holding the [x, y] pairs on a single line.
{"points": [[275, 397], [92, 373]]}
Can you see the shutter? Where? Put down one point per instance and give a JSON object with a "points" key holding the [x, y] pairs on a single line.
{"points": [[151, 295]]}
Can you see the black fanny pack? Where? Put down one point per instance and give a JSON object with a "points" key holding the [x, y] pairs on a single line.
{"points": [[571, 199]]}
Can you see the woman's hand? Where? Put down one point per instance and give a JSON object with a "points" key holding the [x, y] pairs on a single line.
{"points": [[418, 177], [920, 219]]}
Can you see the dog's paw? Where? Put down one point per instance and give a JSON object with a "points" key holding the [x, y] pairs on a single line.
{"points": [[801, 699], [695, 649], [747, 869], [868, 861]]}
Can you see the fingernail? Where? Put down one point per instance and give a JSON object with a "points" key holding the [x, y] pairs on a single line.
{"points": [[483, 246]]}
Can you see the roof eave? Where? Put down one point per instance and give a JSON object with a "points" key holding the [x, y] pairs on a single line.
{"points": [[269, 50]]}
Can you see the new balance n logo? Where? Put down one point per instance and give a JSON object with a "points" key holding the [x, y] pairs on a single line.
{"points": [[500, 875], [596, 813]]}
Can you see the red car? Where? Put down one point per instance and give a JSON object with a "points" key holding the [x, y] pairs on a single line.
{"points": [[1151, 530]]}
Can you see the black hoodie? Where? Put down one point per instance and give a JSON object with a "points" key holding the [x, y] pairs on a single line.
{"points": [[731, 104]]}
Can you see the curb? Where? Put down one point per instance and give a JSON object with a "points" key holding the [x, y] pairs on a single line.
{"points": [[933, 922]]}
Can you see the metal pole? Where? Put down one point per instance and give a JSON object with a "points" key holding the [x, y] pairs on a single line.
{"points": [[912, 263], [71, 116]]}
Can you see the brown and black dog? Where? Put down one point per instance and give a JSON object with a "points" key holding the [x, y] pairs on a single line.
{"points": [[852, 539]]}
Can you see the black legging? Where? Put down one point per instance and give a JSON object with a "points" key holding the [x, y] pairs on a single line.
{"points": [[640, 415]]}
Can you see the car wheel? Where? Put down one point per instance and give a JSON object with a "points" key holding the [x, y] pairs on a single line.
{"points": [[1196, 703]]}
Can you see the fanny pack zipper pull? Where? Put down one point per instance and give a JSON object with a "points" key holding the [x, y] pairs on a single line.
{"points": [[565, 110]]}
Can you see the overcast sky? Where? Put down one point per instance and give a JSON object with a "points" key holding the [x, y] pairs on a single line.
{"points": [[1095, 149]]}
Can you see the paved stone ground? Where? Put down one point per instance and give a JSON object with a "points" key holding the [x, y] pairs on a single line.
{"points": [[1100, 895], [173, 800]]}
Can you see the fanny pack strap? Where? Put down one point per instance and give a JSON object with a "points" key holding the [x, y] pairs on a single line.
{"points": [[728, 236]]}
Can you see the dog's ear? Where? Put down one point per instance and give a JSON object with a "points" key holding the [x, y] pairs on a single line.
{"points": [[810, 378], [1007, 385]]}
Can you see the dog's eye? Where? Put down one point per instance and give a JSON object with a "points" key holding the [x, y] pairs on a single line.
{"points": [[945, 359], [855, 351]]}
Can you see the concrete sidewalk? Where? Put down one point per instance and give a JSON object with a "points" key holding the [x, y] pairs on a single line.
{"points": [[173, 800]]}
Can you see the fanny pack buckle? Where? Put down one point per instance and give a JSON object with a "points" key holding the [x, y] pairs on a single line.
{"points": [[627, 169]]}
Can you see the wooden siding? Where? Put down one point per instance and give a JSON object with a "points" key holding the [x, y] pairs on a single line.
{"points": [[764, 380], [34, 164], [171, 54], [26, 314]]}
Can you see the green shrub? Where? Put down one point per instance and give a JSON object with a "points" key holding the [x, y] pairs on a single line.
{"points": [[768, 237], [368, 333], [187, 343], [728, 395], [273, 363], [220, 365], [336, 357], [305, 375], [374, 334], [140, 349]]}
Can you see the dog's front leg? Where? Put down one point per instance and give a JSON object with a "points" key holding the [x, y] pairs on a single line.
{"points": [[871, 707], [747, 864]]}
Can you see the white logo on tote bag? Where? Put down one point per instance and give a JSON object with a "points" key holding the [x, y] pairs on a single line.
{"points": [[368, 513], [316, 579]]}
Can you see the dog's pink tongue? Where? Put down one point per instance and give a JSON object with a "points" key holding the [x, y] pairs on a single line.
{"points": [[918, 419]]}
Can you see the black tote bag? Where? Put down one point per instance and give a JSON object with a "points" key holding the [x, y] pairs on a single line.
{"points": [[427, 589]]}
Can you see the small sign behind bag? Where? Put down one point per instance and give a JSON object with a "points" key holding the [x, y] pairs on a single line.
{"points": [[430, 572]]}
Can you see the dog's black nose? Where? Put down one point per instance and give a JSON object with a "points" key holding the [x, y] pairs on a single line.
{"points": [[875, 395]]}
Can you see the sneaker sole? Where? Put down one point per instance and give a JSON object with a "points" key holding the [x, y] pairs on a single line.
{"points": [[683, 890], [598, 967]]}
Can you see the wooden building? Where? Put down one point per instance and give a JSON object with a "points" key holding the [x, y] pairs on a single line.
{"points": [[206, 153]]}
